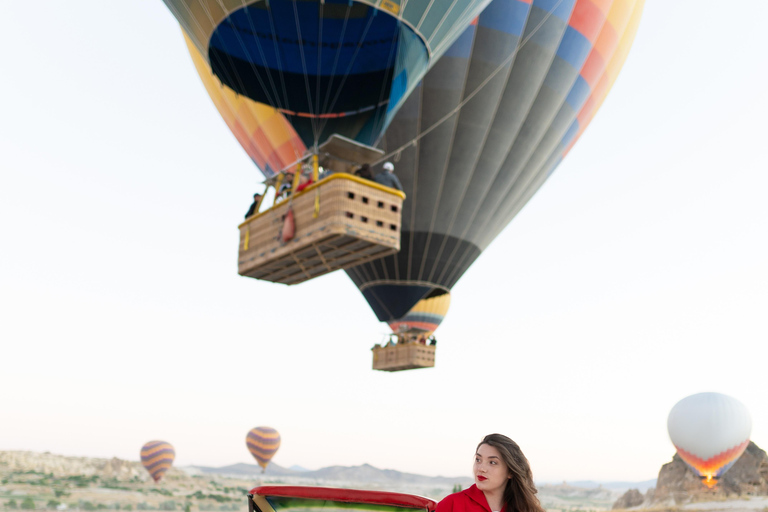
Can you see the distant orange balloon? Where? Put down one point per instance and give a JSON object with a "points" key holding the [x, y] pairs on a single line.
{"points": [[157, 457], [263, 443]]}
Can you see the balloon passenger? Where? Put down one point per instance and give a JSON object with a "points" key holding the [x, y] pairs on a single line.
{"points": [[503, 481], [254, 208], [388, 177], [365, 172]]}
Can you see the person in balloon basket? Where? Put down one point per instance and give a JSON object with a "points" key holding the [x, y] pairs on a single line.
{"points": [[503, 481], [365, 172], [254, 206], [388, 177]]}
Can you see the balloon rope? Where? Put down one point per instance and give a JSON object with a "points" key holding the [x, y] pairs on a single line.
{"points": [[349, 67], [336, 59], [424, 16], [380, 115], [445, 16], [229, 57], [277, 55], [473, 93], [319, 61], [312, 118], [276, 100]]}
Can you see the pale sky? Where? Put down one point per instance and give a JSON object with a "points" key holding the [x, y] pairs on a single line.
{"points": [[635, 277]]}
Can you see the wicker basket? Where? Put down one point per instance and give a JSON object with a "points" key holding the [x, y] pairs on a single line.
{"points": [[340, 222], [407, 356]]}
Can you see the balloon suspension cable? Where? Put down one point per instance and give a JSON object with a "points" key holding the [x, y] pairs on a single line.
{"points": [[379, 116], [349, 67], [312, 108], [473, 93]]}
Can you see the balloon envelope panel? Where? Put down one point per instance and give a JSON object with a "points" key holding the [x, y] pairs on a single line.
{"points": [[425, 316], [157, 457], [332, 66], [263, 132], [484, 130], [263, 443], [710, 432]]}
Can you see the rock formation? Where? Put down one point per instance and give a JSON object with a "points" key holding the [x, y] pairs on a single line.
{"points": [[62, 466], [677, 484], [631, 498]]}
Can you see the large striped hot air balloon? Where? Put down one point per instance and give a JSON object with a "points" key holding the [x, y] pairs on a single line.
{"points": [[710, 432], [485, 128], [330, 66], [263, 443], [157, 457]]}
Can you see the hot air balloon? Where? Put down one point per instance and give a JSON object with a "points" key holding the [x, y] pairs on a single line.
{"points": [[485, 128], [157, 457], [710, 432], [263, 443], [415, 347], [329, 66], [505, 96]]}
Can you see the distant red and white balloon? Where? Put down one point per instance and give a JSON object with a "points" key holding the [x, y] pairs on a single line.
{"points": [[710, 432]]}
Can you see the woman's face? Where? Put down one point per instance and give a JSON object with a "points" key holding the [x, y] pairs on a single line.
{"points": [[491, 473]]}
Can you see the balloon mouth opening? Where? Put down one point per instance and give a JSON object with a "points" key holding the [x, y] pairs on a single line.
{"points": [[709, 480]]}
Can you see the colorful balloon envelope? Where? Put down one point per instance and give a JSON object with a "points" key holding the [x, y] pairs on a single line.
{"points": [[263, 132], [487, 125], [263, 443], [710, 432], [425, 317], [157, 457], [475, 125], [330, 66]]}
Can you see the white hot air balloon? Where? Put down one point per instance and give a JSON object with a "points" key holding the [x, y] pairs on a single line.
{"points": [[710, 432]]}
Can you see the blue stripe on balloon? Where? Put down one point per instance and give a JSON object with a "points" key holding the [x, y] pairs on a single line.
{"points": [[579, 94], [573, 130], [462, 47], [508, 17], [574, 48], [423, 317], [562, 11]]}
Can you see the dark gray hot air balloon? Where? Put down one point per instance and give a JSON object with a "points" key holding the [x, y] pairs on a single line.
{"points": [[485, 128]]}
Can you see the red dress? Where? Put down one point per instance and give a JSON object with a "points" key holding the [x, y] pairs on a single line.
{"points": [[471, 499]]}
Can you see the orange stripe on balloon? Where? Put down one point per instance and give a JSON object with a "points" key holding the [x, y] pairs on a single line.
{"points": [[587, 19], [714, 463], [606, 81]]}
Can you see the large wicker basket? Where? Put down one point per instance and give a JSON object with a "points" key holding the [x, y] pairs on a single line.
{"points": [[340, 221], [408, 356]]}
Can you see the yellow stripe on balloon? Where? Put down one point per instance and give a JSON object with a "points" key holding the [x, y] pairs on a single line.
{"points": [[263, 132]]}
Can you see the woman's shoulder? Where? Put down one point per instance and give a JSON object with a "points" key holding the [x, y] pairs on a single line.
{"points": [[455, 500]]}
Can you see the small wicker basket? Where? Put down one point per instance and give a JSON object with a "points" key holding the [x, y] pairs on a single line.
{"points": [[408, 356]]}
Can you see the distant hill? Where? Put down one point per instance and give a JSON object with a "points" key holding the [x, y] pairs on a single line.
{"points": [[619, 486], [363, 474]]}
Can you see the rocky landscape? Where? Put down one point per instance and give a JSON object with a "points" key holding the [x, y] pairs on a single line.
{"points": [[743, 487]]}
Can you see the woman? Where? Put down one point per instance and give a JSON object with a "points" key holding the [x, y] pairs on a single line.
{"points": [[503, 481]]}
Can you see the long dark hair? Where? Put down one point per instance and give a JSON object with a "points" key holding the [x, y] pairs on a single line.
{"points": [[520, 492]]}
